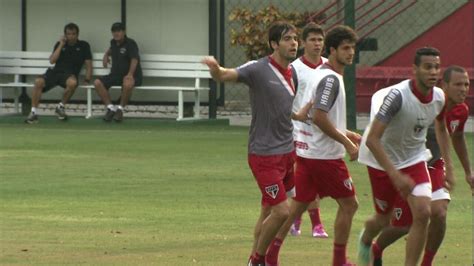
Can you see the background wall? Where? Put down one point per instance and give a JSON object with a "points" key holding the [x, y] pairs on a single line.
{"points": [[165, 27]]}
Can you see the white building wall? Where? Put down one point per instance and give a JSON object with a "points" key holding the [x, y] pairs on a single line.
{"points": [[158, 26]]}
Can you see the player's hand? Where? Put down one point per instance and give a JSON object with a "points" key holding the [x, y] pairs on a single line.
{"points": [[105, 61], [354, 137], [303, 114], [62, 40], [129, 78], [470, 181], [211, 62], [449, 178], [403, 183], [353, 151]]}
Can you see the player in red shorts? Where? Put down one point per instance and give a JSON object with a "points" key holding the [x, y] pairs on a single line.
{"points": [[304, 68], [323, 142], [456, 86], [271, 149], [393, 148]]}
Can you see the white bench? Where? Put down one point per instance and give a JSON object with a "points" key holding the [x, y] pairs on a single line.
{"points": [[177, 67]]}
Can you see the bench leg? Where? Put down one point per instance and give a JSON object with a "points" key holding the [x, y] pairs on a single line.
{"points": [[17, 100], [89, 103], [180, 105], [197, 103]]}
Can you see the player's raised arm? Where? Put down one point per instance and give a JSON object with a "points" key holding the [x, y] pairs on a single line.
{"points": [[219, 73]]}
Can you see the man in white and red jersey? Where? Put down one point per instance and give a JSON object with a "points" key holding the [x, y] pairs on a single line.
{"points": [[320, 169], [271, 149], [455, 86], [393, 148], [303, 71]]}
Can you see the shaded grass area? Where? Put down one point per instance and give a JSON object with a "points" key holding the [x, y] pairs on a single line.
{"points": [[157, 192]]}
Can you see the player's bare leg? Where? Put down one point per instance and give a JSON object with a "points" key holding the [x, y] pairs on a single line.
{"points": [[421, 211]]}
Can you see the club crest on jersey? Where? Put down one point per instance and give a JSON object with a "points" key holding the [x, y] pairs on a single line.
{"points": [[381, 204], [453, 125], [123, 50], [272, 190], [398, 213], [419, 125], [348, 183]]}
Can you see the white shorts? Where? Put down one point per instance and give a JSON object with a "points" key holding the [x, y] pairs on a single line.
{"points": [[441, 194]]}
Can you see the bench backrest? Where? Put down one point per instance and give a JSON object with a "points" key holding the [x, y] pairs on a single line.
{"points": [[153, 65]]}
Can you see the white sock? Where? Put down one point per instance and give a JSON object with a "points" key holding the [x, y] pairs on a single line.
{"points": [[33, 110], [111, 107]]}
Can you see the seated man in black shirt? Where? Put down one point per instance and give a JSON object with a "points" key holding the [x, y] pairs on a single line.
{"points": [[126, 71], [69, 54]]}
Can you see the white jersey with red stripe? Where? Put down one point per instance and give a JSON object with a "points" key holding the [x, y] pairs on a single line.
{"points": [[405, 135], [304, 76], [325, 88]]}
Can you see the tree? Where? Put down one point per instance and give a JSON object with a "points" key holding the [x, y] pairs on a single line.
{"points": [[252, 33]]}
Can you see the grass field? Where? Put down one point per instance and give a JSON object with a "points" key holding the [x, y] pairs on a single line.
{"points": [[148, 192]]}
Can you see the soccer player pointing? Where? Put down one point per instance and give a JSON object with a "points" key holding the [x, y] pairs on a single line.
{"points": [[270, 149]]}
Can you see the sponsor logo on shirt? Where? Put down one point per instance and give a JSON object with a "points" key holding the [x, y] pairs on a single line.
{"points": [[78, 49], [301, 145], [272, 190], [327, 91], [398, 213], [123, 50], [305, 133], [387, 102]]}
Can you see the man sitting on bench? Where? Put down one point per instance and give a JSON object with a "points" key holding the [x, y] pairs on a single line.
{"points": [[126, 71], [69, 54]]}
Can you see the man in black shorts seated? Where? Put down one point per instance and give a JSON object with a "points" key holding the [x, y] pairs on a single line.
{"points": [[69, 54], [126, 72]]}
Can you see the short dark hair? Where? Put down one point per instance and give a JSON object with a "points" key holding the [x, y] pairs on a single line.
{"points": [[118, 26], [71, 26], [449, 70], [425, 51], [335, 36], [312, 28], [277, 30]]}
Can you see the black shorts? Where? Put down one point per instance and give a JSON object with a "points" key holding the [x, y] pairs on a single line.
{"points": [[53, 78], [116, 80]]}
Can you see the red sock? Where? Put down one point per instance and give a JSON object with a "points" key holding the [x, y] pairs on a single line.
{"points": [[257, 258], [273, 251], [339, 255], [315, 218], [428, 258], [377, 251], [297, 223]]}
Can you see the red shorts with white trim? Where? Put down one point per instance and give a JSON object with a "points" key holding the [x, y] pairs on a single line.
{"points": [[322, 177], [274, 175], [402, 216], [385, 194], [437, 174]]}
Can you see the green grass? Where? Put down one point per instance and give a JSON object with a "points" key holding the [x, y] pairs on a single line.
{"points": [[154, 192]]}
